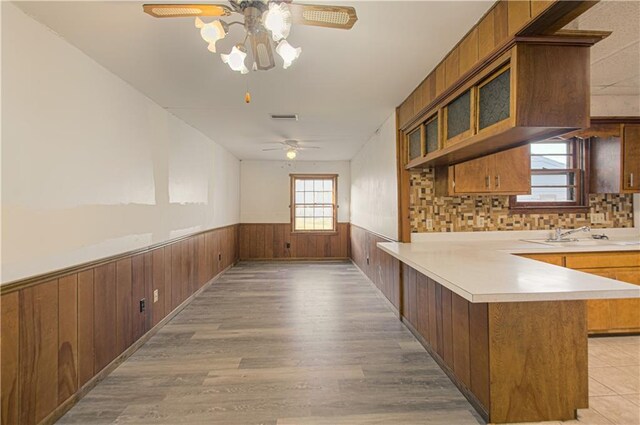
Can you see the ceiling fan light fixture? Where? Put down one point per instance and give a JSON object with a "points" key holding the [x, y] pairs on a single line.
{"points": [[235, 59], [212, 32], [291, 154], [288, 53], [277, 19]]}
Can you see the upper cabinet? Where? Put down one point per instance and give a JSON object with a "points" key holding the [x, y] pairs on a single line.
{"points": [[515, 77], [615, 155], [536, 89], [504, 173]]}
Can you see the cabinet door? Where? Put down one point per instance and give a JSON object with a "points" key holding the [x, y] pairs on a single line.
{"points": [[631, 158], [599, 311], [494, 100], [625, 313], [510, 171], [472, 176]]}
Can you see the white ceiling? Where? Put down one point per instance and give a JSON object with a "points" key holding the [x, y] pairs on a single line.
{"points": [[343, 86], [615, 61]]}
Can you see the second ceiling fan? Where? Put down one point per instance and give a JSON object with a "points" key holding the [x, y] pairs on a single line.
{"points": [[265, 22]]}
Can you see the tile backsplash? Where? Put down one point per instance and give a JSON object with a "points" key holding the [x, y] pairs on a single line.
{"points": [[430, 213]]}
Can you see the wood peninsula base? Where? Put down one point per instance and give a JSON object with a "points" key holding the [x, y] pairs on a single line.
{"points": [[514, 361]]}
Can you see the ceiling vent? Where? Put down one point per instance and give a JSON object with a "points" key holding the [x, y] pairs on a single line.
{"points": [[284, 117]]}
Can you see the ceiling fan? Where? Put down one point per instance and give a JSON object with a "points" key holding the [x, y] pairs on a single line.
{"points": [[292, 147], [266, 22]]}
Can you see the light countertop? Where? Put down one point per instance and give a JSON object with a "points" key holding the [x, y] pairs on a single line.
{"points": [[486, 269]]}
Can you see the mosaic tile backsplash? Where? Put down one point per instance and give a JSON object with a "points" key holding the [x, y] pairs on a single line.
{"points": [[460, 213]]}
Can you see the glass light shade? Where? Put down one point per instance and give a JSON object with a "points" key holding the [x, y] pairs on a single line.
{"points": [[211, 32], [277, 19], [291, 154], [288, 53], [235, 60]]}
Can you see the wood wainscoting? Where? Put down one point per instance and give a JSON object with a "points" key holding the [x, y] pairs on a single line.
{"points": [[63, 331], [514, 361], [273, 241], [381, 268]]}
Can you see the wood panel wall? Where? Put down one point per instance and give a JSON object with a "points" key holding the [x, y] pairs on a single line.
{"points": [[381, 268], [60, 331], [502, 355], [268, 241]]}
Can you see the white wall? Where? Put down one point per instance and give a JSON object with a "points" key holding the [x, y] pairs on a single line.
{"points": [[265, 188], [374, 187], [91, 167]]}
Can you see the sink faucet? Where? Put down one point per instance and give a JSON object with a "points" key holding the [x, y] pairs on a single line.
{"points": [[560, 235]]}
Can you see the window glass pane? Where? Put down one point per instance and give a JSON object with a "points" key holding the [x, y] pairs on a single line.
{"points": [[328, 212], [459, 115], [548, 194], [308, 197], [318, 185], [317, 212], [308, 185], [432, 136], [327, 197], [299, 185], [299, 197], [299, 223], [549, 148], [307, 212], [560, 179], [493, 103], [299, 212], [328, 224], [308, 223], [317, 197], [328, 185], [549, 162], [317, 223]]}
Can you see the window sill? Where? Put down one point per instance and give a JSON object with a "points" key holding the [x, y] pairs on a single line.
{"points": [[314, 232], [574, 209]]}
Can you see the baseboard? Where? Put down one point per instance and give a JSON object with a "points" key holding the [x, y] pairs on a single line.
{"points": [[91, 383], [298, 260]]}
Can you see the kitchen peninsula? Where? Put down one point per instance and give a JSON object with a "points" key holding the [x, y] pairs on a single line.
{"points": [[510, 332]]}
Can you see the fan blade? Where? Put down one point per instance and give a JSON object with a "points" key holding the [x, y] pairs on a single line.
{"points": [[185, 10], [341, 17], [262, 50], [309, 147], [272, 149]]}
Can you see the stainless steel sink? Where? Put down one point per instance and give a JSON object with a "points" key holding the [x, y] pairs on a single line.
{"points": [[579, 242]]}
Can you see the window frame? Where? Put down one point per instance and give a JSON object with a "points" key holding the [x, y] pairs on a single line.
{"points": [[580, 160], [292, 204]]}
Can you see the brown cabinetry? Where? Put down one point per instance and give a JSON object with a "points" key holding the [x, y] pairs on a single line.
{"points": [[507, 172], [605, 316], [615, 157]]}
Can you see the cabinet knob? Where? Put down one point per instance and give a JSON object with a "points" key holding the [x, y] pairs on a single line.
{"points": [[630, 179], [487, 180], [497, 181]]}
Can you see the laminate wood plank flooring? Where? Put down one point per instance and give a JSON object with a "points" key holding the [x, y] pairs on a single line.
{"points": [[279, 343], [311, 344]]}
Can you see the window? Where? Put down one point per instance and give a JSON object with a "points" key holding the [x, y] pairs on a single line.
{"points": [[557, 176], [313, 203]]}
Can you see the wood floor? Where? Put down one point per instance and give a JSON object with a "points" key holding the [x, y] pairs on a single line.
{"points": [[280, 343], [311, 343]]}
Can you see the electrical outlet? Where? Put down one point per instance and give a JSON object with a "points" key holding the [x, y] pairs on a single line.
{"points": [[429, 224], [142, 306], [597, 218], [480, 221], [288, 245], [155, 295]]}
